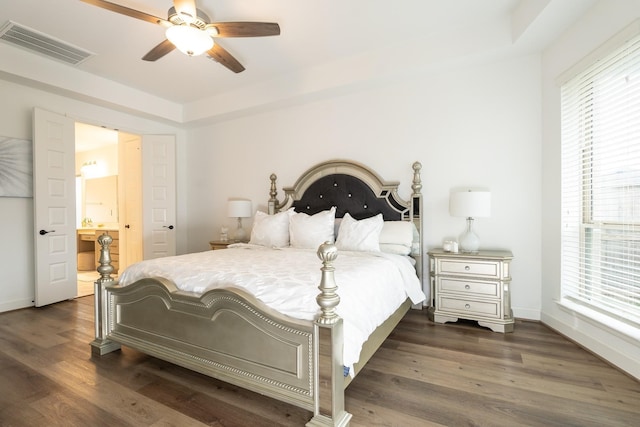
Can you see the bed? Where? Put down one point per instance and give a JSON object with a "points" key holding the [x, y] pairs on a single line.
{"points": [[291, 354]]}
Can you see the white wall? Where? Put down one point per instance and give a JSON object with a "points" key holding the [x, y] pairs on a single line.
{"points": [[16, 226], [601, 23], [474, 125], [105, 158]]}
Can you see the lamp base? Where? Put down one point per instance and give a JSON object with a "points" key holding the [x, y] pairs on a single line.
{"points": [[469, 241], [240, 235]]}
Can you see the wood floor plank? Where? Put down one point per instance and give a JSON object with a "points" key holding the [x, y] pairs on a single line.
{"points": [[20, 384], [81, 378], [606, 378], [60, 408], [278, 413], [21, 415], [425, 374], [367, 415], [486, 388], [199, 406]]}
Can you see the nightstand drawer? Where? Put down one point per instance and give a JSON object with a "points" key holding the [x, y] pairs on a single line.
{"points": [[468, 287], [469, 307], [469, 267]]}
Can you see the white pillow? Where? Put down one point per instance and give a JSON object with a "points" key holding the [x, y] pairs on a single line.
{"points": [[271, 230], [310, 231], [399, 237], [362, 235], [397, 233]]}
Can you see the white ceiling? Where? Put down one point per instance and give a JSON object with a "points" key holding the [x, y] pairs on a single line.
{"points": [[322, 43]]}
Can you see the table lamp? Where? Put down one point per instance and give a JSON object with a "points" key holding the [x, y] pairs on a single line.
{"points": [[239, 208], [470, 204]]}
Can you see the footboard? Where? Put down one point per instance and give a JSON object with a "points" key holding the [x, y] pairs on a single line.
{"points": [[223, 334], [230, 335]]}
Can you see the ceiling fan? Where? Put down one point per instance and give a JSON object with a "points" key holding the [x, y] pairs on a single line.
{"points": [[189, 29]]}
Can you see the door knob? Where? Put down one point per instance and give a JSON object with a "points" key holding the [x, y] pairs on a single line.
{"points": [[43, 232], [170, 227], [127, 226]]}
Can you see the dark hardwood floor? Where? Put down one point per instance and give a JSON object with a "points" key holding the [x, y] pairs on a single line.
{"points": [[424, 375]]}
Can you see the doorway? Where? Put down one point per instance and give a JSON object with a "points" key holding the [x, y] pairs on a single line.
{"points": [[54, 202], [108, 189]]}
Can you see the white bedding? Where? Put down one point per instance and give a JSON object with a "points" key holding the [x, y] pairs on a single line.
{"points": [[371, 285]]}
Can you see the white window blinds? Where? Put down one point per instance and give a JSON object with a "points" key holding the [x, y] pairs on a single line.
{"points": [[601, 185]]}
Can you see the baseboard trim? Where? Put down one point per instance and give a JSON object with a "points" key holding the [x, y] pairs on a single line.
{"points": [[16, 305]]}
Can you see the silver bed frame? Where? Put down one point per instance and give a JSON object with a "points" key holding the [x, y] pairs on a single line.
{"points": [[230, 335]]}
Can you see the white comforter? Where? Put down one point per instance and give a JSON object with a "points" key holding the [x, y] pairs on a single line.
{"points": [[371, 285]]}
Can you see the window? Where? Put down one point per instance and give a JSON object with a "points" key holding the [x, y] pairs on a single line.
{"points": [[601, 185]]}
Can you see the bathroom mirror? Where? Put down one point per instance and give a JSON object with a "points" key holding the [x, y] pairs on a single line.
{"points": [[101, 199]]}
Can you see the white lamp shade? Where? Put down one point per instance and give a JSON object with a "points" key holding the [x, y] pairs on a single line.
{"points": [[470, 204], [189, 40], [239, 209]]}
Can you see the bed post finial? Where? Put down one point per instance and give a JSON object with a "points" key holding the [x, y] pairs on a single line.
{"points": [[105, 268], [273, 195], [328, 299], [417, 181]]}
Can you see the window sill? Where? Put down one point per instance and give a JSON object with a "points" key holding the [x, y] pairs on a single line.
{"points": [[610, 324]]}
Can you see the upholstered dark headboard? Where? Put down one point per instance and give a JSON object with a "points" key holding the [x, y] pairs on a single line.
{"points": [[348, 194], [350, 187]]}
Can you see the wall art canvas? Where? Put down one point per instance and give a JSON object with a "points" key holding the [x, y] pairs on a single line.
{"points": [[16, 167]]}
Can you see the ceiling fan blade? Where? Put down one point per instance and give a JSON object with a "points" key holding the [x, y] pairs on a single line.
{"points": [[128, 12], [245, 29], [219, 54], [186, 7], [159, 51]]}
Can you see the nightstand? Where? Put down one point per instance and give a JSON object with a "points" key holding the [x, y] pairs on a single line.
{"points": [[472, 286], [218, 244]]}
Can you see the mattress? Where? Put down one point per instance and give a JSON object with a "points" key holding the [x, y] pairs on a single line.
{"points": [[371, 285]]}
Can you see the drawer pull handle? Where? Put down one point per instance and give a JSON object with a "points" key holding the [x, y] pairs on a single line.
{"points": [[467, 268], [467, 287], [467, 306]]}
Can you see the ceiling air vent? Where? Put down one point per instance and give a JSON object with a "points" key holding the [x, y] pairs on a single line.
{"points": [[38, 42]]}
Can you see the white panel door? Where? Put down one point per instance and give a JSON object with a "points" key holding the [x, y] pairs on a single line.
{"points": [[54, 207], [159, 195], [130, 186]]}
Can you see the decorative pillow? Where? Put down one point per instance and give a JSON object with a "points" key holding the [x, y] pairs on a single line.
{"points": [[310, 231], [271, 230], [362, 235], [398, 234]]}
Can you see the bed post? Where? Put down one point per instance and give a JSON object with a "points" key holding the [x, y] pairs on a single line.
{"points": [[416, 217], [272, 205], [101, 345], [328, 367], [416, 200]]}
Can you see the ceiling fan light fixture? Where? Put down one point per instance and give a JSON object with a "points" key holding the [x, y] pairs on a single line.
{"points": [[211, 30], [189, 40], [186, 17]]}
